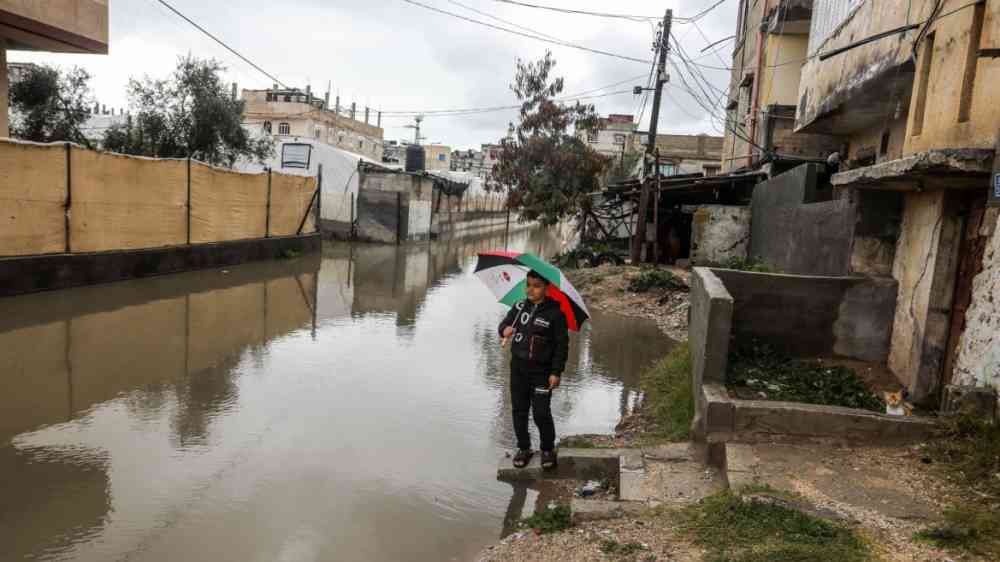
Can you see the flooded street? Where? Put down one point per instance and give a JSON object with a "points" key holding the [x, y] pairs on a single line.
{"points": [[347, 407]]}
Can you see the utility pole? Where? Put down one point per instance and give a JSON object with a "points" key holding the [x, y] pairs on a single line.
{"points": [[661, 78]]}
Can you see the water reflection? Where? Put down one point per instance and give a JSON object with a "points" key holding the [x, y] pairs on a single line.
{"points": [[348, 406]]}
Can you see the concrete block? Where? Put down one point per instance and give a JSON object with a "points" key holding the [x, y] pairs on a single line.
{"points": [[582, 464], [977, 400]]}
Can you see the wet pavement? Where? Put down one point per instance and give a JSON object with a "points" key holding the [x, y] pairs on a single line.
{"points": [[349, 407]]}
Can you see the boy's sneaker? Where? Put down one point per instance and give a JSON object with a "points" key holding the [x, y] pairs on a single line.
{"points": [[549, 459], [522, 457]]}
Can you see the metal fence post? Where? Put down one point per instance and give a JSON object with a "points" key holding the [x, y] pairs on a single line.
{"points": [[189, 200], [319, 200], [68, 208], [267, 215], [399, 217]]}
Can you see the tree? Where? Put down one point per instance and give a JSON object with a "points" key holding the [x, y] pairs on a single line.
{"points": [[624, 167], [548, 172], [189, 114], [48, 105]]}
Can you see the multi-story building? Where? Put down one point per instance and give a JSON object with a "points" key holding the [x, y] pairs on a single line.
{"points": [[470, 160], [285, 113], [772, 39], [895, 98], [613, 136], [689, 154], [69, 26], [437, 157]]}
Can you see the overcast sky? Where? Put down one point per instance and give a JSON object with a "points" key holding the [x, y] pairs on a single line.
{"points": [[394, 55]]}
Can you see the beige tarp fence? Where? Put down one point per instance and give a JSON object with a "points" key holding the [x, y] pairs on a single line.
{"points": [[126, 203], [118, 202], [226, 205], [32, 199], [290, 197]]}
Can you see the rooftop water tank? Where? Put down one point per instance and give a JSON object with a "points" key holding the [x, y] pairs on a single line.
{"points": [[415, 158]]}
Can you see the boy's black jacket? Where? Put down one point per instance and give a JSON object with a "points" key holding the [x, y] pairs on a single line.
{"points": [[540, 335]]}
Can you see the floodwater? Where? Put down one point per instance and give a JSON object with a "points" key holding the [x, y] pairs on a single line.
{"points": [[350, 407]]}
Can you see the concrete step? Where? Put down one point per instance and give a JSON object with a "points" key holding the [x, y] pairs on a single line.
{"points": [[595, 510], [582, 464], [670, 474]]}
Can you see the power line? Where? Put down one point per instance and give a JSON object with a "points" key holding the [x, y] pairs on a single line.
{"points": [[581, 12], [221, 42], [528, 35], [501, 20], [568, 96], [480, 110]]}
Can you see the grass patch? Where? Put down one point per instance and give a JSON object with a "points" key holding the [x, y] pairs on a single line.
{"points": [[669, 403], [655, 279], [761, 368], [553, 519], [577, 442], [615, 548], [735, 529], [747, 264], [968, 454]]}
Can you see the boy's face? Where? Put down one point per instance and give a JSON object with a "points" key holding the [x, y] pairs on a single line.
{"points": [[535, 289]]}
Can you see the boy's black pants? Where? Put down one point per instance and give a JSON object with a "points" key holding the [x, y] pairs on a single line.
{"points": [[525, 385]]}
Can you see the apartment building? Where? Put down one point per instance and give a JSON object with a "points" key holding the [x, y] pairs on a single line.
{"points": [[285, 113]]}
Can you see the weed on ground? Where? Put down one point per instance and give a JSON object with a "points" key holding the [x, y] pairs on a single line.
{"points": [[968, 454], [553, 519], [775, 376], [735, 528], [669, 402], [649, 279], [622, 550], [747, 264]]}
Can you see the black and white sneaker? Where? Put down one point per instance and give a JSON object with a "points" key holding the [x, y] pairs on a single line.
{"points": [[522, 457], [549, 459]]}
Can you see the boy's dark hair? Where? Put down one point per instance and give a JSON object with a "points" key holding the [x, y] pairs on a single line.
{"points": [[535, 275]]}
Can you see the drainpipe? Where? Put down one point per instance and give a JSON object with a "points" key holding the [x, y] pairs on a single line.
{"points": [[758, 76]]}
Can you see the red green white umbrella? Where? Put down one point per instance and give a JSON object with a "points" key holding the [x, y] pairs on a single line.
{"points": [[506, 273]]}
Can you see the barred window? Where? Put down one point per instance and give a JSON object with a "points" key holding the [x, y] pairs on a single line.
{"points": [[284, 129]]}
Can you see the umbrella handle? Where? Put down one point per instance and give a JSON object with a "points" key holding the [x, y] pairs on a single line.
{"points": [[505, 342]]}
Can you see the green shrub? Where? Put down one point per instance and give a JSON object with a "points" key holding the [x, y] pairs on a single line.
{"points": [[761, 368], [668, 398], [553, 519], [655, 279], [615, 548]]}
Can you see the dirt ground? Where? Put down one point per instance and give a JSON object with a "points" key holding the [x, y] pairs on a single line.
{"points": [[606, 288]]}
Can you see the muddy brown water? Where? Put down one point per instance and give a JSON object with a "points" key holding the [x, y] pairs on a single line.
{"points": [[350, 406]]}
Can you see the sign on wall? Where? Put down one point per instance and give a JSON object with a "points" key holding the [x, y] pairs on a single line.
{"points": [[295, 155], [994, 199]]}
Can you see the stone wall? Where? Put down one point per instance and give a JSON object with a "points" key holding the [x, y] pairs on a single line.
{"points": [[979, 350], [708, 336], [718, 233]]}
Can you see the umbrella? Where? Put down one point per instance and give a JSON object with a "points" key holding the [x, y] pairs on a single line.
{"points": [[506, 273]]}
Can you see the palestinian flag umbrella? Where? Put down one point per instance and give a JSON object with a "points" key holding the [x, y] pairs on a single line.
{"points": [[506, 274]]}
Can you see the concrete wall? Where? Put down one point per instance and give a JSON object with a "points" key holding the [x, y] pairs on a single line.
{"points": [[437, 157], [68, 26], [719, 233], [876, 230], [856, 88], [926, 260], [979, 350], [382, 216], [794, 231], [708, 338], [783, 58], [811, 315]]}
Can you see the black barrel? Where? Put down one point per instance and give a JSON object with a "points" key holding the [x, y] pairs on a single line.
{"points": [[415, 157]]}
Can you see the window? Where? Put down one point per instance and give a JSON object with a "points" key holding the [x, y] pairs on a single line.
{"points": [[711, 170], [592, 137], [288, 98], [361, 145], [317, 133], [269, 96], [441, 157], [924, 76], [284, 129], [971, 63], [267, 127], [619, 139]]}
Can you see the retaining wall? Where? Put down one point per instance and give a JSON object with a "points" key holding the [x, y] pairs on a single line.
{"points": [[804, 316]]}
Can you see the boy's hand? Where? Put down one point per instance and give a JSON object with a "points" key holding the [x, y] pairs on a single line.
{"points": [[554, 382], [508, 332]]}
